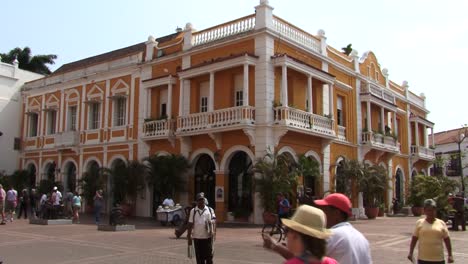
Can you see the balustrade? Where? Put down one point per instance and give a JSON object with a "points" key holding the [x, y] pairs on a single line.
{"points": [[304, 120], [296, 34], [158, 128], [224, 30]]}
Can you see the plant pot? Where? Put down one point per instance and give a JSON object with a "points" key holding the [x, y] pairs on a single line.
{"points": [[127, 209], [417, 210], [269, 218], [381, 212], [371, 212]]}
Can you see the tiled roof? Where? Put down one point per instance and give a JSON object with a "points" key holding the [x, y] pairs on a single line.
{"points": [[445, 137], [108, 56]]}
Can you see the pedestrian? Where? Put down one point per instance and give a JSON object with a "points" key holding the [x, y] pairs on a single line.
{"points": [[430, 232], [42, 206], [33, 204], [283, 206], [168, 202], [76, 208], [459, 206], [306, 235], [12, 202], [23, 204], [202, 230], [67, 205], [307, 198], [346, 244], [98, 204], [2, 204]]}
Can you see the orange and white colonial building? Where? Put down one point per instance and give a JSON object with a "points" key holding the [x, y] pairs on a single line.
{"points": [[222, 97]]}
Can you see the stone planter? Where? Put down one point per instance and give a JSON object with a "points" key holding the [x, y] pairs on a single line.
{"points": [[372, 212], [417, 210]]}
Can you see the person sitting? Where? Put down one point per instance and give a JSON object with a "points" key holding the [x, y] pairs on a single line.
{"points": [[168, 202]]}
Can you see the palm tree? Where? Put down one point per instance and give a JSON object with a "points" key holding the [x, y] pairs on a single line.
{"points": [[128, 180], [92, 180], [37, 63], [167, 174], [373, 182]]}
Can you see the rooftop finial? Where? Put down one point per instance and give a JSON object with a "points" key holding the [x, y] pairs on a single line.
{"points": [[263, 2]]}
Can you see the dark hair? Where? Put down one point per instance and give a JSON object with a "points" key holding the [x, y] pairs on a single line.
{"points": [[314, 246]]}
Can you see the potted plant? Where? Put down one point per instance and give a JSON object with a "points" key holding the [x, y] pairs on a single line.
{"points": [[416, 198], [127, 181], [274, 173], [92, 180], [373, 183], [381, 210]]}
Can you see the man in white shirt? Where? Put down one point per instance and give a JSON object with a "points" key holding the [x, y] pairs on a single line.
{"points": [[202, 227], [168, 202], [347, 245]]}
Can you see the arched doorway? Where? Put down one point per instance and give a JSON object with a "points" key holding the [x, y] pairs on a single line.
{"points": [[311, 175], [205, 178], [118, 167], [49, 172], [240, 184], [413, 174], [399, 185], [31, 175], [342, 185], [70, 177]]}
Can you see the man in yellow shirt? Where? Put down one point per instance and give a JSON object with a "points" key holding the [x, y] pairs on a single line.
{"points": [[430, 232]]}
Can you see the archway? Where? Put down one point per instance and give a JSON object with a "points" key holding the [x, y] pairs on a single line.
{"points": [[413, 174], [205, 178], [240, 183], [118, 167], [31, 169], [69, 177], [342, 185], [310, 181], [49, 171], [399, 185]]}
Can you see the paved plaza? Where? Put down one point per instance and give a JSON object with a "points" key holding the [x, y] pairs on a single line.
{"points": [[22, 243]]}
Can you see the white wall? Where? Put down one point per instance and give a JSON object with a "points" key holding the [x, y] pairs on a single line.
{"points": [[11, 81]]}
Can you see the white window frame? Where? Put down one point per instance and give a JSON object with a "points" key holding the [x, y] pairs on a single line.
{"points": [[92, 123], [120, 111], [72, 119], [51, 119], [33, 130]]}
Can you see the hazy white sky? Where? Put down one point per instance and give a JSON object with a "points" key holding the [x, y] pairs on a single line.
{"points": [[422, 41]]}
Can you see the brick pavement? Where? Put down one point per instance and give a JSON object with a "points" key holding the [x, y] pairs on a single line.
{"points": [[151, 243]]}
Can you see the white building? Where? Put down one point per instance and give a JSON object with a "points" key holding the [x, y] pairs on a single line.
{"points": [[11, 80]]}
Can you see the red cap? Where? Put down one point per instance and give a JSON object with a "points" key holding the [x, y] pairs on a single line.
{"points": [[337, 200]]}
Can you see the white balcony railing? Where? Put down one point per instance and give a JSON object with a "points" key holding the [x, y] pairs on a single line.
{"points": [[158, 128], [224, 30], [216, 119], [381, 141], [423, 152], [296, 34], [379, 93], [417, 100], [304, 120], [342, 133], [67, 139]]}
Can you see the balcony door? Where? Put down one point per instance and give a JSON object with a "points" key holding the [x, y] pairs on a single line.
{"points": [[205, 178]]}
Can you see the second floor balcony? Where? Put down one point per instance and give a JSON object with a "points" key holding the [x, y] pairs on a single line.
{"points": [[158, 129], [67, 139], [216, 121], [423, 153], [380, 142], [304, 122]]}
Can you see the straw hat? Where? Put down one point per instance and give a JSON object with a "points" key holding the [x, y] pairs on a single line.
{"points": [[310, 221]]}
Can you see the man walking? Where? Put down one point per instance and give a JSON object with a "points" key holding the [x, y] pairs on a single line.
{"points": [[202, 227], [12, 201]]}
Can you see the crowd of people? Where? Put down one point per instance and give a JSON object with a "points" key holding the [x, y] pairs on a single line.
{"points": [[52, 205]]}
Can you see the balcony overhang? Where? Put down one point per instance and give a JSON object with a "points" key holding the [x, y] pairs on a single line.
{"points": [[367, 97], [218, 65], [166, 80], [297, 65], [415, 118]]}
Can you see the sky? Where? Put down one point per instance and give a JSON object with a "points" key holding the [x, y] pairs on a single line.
{"points": [[424, 42]]}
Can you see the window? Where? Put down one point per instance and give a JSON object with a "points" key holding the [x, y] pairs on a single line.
{"points": [[33, 122], [339, 111], [51, 122], [239, 98], [17, 143], [94, 115], [119, 111], [72, 118], [204, 104]]}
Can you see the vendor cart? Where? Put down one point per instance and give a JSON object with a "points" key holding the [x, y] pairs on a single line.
{"points": [[174, 215]]}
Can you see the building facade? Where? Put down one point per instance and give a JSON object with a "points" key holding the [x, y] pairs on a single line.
{"points": [[12, 79], [222, 97]]}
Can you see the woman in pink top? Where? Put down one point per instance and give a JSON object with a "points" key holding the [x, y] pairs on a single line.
{"points": [[306, 234]]}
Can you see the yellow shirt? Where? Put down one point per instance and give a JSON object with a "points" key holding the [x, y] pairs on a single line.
{"points": [[431, 237]]}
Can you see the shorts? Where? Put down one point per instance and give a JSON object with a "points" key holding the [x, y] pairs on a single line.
{"points": [[2, 207], [10, 205]]}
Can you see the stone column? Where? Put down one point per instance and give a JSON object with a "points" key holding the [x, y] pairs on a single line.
{"points": [[181, 97], [416, 134], [309, 95], [284, 86], [211, 93], [369, 117], [169, 99], [245, 89], [221, 210], [382, 120]]}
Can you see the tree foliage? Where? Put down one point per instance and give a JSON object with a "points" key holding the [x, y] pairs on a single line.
{"points": [[167, 175], [275, 173], [92, 180], [128, 179], [37, 63]]}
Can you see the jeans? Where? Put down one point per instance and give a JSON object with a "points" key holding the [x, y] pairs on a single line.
{"points": [[97, 213]]}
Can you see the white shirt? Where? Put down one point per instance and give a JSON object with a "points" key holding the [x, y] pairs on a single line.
{"points": [[202, 216], [348, 246], [58, 198], [168, 202]]}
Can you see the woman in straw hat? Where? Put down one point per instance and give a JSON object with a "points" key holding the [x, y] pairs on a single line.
{"points": [[306, 236]]}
